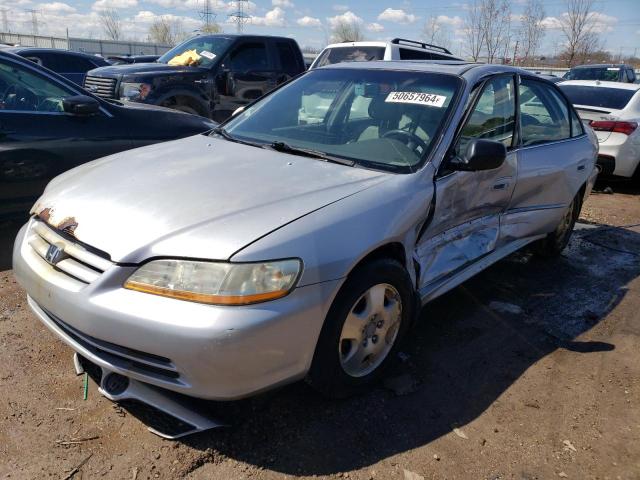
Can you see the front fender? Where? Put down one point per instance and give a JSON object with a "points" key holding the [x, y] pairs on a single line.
{"points": [[333, 240]]}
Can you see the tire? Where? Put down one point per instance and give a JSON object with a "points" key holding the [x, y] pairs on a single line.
{"points": [[363, 329], [556, 241]]}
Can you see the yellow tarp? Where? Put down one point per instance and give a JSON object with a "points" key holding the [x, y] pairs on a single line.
{"points": [[190, 57]]}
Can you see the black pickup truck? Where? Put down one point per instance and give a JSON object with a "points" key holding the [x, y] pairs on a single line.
{"points": [[208, 75]]}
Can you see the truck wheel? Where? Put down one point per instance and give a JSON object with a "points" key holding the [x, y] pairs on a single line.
{"points": [[556, 241], [363, 328]]}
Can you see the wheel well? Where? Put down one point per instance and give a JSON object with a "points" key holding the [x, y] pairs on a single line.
{"points": [[394, 251], [186, 100]]}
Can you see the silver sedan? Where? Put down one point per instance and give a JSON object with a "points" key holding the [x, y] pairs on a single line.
{"points": [[299, 239]]}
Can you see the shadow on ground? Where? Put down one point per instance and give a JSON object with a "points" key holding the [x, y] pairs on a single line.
{"points": [[462, 356]]}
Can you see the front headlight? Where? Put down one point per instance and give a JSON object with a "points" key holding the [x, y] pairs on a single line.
{"points": [[216, 283], [134, 91]]}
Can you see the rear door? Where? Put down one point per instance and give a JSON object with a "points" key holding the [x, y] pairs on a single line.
{"points": [[246, 74], [466, 221], [552, 161], [288, 60]]}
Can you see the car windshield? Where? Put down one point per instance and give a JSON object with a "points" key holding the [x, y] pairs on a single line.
{"points": [[198, 51], [610, 98], [350, 54], [594, 73], [377, 118]]}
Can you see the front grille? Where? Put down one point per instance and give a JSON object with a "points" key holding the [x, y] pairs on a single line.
{"points": [[126, 358], [101, 86], [77, 261]]}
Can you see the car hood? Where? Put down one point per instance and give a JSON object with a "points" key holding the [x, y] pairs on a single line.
{"points": [[198, 197], [144, 68]]}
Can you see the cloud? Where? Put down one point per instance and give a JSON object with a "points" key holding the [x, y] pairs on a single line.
{"points": [[309, 22], [397, 16], [273, 18], [346, 17], [451, 21], [599, 22], [56, 7], [340, 8], [115, 4], [282, 3], [375, 27]]}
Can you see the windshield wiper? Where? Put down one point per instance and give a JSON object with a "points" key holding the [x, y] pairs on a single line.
{"points": [[227, 136], [286, 148]]}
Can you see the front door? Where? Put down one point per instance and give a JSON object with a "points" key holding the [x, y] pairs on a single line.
{"points": [[465, 225], [245, 75]]}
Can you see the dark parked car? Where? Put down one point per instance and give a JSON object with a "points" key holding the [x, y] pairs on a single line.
{"points": [[208, 75], [71, 65], [127, 59], [49, 125], [604, 72]]}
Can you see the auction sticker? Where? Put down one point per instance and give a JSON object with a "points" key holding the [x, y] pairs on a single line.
{"points": [[417, 98], [208, 54]]}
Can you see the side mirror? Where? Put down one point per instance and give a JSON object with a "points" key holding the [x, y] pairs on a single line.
{"points": [[480, 155], [81, 105]]}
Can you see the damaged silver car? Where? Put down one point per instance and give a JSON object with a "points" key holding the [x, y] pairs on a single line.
{"points": [[299, 239]]}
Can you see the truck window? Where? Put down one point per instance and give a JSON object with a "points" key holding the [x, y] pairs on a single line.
{"points": [[288, 58], [248, 57], [350, 54]]}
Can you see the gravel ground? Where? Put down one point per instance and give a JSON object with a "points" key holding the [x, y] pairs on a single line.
{"points": [[529, 371]]}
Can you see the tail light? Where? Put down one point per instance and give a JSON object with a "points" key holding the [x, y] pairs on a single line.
{"points": [[617, 127]]}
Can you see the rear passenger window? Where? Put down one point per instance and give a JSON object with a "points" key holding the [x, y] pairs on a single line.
{"points": [[67, 63], [544, 116], [288, 58], [576, 125], [407, 54], [493, 117]]}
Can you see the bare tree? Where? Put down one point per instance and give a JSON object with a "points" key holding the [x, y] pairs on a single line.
{"points": [[473, 30], [111, 24], [532, 29], [211, 27], [435, 32], [167, 31], [496, 26], [578, 28], [346, 31]]}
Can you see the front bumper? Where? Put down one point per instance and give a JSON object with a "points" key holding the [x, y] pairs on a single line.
{"points": [[212, 352]]}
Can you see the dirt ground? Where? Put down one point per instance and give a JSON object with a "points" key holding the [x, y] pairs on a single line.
{"points": [[529, 371]]}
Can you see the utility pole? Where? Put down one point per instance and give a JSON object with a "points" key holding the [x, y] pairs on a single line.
{"points": [[239, 17], [207, 15], [34, 21]]}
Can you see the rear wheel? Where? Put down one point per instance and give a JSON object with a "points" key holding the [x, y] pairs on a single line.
{"points": [[363, 329], [556, 241]]}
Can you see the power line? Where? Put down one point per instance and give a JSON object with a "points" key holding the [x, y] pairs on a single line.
{"points": [[5, 20], [34, 21], [239, 17]]}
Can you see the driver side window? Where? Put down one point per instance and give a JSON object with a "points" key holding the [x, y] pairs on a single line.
{"points": [[25, 91], [249, 57], [493, 116]]}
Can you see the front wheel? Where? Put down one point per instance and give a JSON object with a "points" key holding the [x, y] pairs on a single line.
{"points": [[555, 242], [363, 329]]}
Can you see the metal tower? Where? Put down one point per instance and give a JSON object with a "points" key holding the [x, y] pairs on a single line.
{"points": [[240, 17]]}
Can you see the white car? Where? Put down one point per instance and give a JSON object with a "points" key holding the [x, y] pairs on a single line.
{"points": [[396, 49], [613, 111]]}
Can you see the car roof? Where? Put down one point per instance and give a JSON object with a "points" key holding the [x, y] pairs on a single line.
{"points": [[358, 44], [452, 67], [600, 83], [603, 65], [19, 50]]}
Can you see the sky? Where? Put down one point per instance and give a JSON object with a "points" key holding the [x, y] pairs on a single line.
{"points": [[310, 21]]}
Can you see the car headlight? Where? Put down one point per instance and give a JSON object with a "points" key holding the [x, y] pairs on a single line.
{"points": [[216, 283], [134, 91]]}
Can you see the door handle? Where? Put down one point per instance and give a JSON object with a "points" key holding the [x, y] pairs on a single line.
{"points": [[501, 186], [581, 167]]}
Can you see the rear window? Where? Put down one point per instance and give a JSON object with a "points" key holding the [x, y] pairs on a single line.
{"points": [[611, 98], [350, 54], [611, 74]]}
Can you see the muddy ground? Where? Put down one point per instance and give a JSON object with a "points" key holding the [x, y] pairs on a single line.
{"points": [[529, 371]]}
